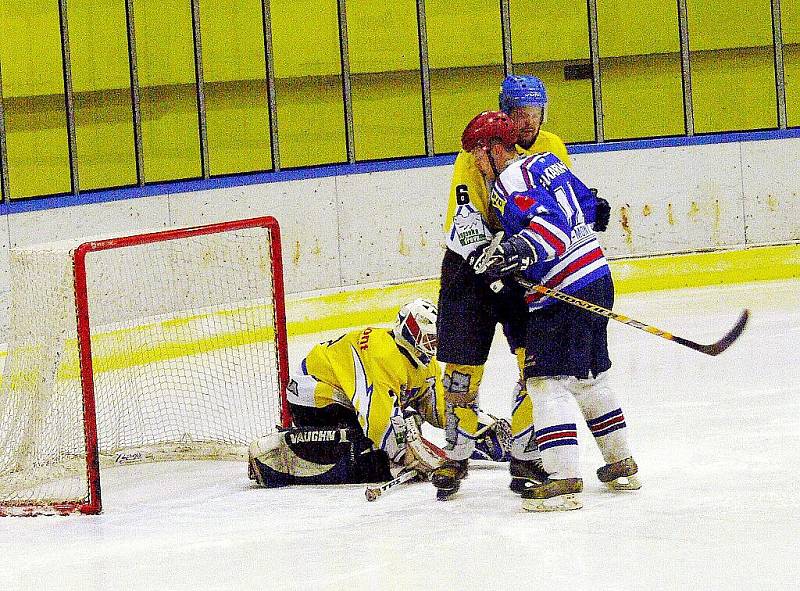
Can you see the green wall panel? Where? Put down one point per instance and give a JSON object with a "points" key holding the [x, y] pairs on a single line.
{"points": [[33, 89], [237, 111]]}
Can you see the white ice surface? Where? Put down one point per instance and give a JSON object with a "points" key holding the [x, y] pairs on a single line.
{"points": [[717, 441]]}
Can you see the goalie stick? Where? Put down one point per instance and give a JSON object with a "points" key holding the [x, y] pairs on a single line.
{"points": [[713, 349], [372, 493]]}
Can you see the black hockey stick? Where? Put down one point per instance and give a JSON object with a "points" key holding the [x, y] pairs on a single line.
{"points": [[374, 492], [713, 349]]}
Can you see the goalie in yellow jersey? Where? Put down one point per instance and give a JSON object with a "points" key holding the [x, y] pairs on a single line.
{"points": [[357, 404]]}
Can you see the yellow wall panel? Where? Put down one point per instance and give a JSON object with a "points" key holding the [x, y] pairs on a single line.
{"points": [[33, 89], [376, 47], [725, 24], [168, 97], [101, 84], [733, 89], [30, 48], [36, 146], [549, 31], [790, 26], [621, 25], [237, 112], [472, 38], [387, 115], [98, 45], [305, 38], [457, 95], [232, 32], [642, 96], [310, 120]]}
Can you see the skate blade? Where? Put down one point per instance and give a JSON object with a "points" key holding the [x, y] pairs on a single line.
{"points": [[568, 502], [625, 483]]}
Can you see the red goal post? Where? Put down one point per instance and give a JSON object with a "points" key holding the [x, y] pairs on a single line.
{"points": [[159, 346]]}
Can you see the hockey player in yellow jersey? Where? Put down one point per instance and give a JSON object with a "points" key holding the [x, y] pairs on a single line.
{"points": [[357, 404], [469, 310]]}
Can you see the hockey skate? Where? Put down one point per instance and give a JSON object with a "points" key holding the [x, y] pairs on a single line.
{"points": [[447, 478], [553, 495], [526, 474], [620, 475]]}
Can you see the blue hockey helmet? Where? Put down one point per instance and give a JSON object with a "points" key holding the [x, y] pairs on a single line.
{"points": [[522, 91]]}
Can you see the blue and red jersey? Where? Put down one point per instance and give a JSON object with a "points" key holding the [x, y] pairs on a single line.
{"points": [[541, 201]]}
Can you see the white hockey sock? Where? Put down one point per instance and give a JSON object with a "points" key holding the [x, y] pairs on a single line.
{"points": [[556, 431], [603, 415]]}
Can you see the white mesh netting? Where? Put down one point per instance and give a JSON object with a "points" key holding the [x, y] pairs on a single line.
{"points": [[183, 349]]}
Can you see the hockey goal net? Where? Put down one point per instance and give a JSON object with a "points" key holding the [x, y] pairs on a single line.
{"points": [[161, 346]]}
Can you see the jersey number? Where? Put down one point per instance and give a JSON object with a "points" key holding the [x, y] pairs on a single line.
{"points": [[569, 205], [462, 194]]}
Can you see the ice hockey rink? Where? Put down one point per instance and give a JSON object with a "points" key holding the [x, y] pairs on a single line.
{"points": [[717, 441]]}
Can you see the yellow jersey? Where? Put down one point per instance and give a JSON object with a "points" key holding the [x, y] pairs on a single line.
{"points": [[366, 371], [469, 221]]}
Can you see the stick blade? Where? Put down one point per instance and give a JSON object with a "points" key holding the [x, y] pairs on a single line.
{"points": [[726, 341]]}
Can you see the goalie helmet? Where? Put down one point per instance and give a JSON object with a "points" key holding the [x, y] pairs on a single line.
{"points": [[415, 329], [488, 126], [522, 91]]}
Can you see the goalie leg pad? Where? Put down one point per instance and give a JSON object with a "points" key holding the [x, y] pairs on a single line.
{"points": [[316, 456]]}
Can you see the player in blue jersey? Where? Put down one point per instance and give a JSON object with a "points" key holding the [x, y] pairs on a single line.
{"points": [[469, 311], [547, 215]]}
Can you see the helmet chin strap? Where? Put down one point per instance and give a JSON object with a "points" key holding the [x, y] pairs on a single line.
{"points": [[493, 164]]}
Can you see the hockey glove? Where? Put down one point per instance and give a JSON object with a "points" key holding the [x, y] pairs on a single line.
{"points": [[510, 256], [602, 213], [494, 443]]}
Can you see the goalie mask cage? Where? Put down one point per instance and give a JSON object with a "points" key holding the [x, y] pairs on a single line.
{"points": [[161, 346]]}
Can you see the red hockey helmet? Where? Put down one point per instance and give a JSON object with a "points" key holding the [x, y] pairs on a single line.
{"points": [[488, 126]]}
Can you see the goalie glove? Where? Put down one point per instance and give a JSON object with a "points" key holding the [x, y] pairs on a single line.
{"points": [[510, 256], [602, 213], [494, 441]]}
